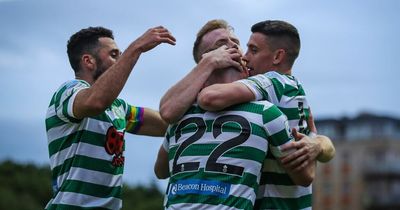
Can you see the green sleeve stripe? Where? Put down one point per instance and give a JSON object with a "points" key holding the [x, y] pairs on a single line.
{"points": [[58, 95], [291, 91], [284, 203], [279, 138], [271, 114], [90, 189], [85, 162], [53, 121], [293, 113], [278, 87], [53, 99], [258, 131]]}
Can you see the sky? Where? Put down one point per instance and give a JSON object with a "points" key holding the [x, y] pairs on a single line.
{"points": [[347, 63]]}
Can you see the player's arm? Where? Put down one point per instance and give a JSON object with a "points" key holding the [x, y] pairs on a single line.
{"points": [[161, 166], [219, 96], [305, 174], [94, 100], [182, 95], [327, 151], [319, 148], [279, 138], [151, 125]]}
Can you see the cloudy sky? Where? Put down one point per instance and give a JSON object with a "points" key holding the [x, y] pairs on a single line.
{"points": [[347, 63]]}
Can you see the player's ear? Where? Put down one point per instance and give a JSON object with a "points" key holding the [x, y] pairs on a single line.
{"points": [[279, 55], [88, 61]]}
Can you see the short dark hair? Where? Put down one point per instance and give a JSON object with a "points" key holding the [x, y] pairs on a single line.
{"points": [[280, 34], [85, 41], [208, 27]]}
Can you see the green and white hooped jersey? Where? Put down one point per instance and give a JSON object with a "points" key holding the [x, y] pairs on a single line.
{"points": [[286, 92], [86, 155], [277, 190], [215, 158]]}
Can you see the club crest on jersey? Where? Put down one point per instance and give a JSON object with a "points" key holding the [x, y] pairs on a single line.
{"points": [[115, 145]]}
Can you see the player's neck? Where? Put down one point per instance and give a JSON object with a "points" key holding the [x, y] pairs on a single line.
{"points": [[286, 71]]}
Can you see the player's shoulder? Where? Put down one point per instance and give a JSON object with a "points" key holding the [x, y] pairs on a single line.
{"points": [[75, 83], [268, 110], [283, 78], [72, 84], [264, 106], [68, 87]]}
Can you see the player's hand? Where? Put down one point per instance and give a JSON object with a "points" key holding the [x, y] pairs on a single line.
{"points": [[224, 57], [306, 152], [153, 37]]}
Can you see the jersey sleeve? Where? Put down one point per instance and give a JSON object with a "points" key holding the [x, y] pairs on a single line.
{"points": [[134, 118], [259, 85], [277, 126], [64, 100]]}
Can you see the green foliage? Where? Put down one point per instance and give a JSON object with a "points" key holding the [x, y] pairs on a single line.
{"points": [[24, 187], [28, 187], [142, 198]]}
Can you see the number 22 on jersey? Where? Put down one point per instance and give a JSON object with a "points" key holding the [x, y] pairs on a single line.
{"points": [[211, 164]]}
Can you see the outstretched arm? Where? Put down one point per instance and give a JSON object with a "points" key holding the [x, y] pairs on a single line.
{"points": [[94, 100], [183, 94], [153, 124]]}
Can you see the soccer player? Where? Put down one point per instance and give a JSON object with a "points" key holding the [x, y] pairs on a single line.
{"points": [[86, 122], [272, 49], [215, 158]]}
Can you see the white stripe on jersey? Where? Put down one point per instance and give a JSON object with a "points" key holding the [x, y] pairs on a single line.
{"points": [[283, 191], [276, 125], [243, 191], [70, 109], [93, 125], [51, 111], [83, 200], [95, 177], [292, 102], [84, 149]]}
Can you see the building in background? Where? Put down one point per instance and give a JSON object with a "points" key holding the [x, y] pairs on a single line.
{"points": [[365, 173]]}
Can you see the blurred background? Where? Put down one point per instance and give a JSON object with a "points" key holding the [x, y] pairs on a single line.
{"points": [[346, 64]]}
